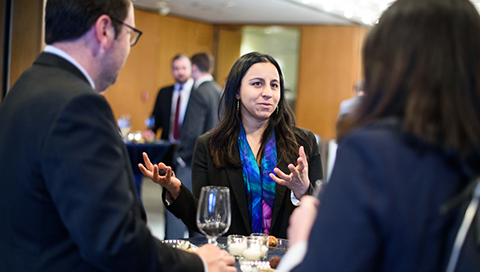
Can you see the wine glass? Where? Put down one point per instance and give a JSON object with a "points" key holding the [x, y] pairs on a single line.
{"points": [[213, 213]]}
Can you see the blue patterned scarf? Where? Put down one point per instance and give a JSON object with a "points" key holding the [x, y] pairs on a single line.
{"points": [[260, 188]]}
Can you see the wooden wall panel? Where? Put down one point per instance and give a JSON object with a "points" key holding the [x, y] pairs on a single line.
{"points": [[180, 36], [132, 94], [329, 67], [148, 67], [228, 51], [200, 38], [26, 36]]}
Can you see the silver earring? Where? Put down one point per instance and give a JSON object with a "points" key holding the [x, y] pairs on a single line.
{"points": [[238, 105], [277, 109]]}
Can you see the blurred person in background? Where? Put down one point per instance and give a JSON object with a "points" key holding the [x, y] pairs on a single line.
{"points": [[347, 108], [165, 114], [349, 105]]}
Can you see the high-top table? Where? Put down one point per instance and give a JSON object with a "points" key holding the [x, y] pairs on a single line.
{"points": [[222, 243]]}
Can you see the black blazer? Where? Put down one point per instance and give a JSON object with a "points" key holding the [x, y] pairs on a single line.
{"points": [[67, 197], [162, 111], [204, 172]]}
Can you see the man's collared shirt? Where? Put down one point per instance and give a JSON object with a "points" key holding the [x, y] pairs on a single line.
{"points": [[185, 96], [58, 52]]}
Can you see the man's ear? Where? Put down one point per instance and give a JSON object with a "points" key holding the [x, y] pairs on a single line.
{"points": [[104, 31]]}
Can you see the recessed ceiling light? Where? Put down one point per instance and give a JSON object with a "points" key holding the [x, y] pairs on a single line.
{"points": [[383, 6], [359, 11], [229, 4], [364, 3], [273, 29], [366, 20], [348, 14], [160, 4]]}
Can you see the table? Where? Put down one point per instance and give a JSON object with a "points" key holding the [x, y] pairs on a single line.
{"points": [[158, 151], [222, 243]]}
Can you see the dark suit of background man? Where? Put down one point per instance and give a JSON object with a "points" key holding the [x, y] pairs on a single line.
{"points": [[67, 198], [201, 115], [202, 110]]}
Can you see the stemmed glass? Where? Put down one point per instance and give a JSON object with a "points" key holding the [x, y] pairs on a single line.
{"points": [[213, 212]]}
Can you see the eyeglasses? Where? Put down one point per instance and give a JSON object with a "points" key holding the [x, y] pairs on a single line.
{"points": [[134, 36]]}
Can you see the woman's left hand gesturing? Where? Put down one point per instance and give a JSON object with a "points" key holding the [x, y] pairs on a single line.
{"points": [[297, 181]]}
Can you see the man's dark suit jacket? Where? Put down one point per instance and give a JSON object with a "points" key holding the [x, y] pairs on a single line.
{"points": [[200, 117], [67, 198], [162, 111], [206, 173]]}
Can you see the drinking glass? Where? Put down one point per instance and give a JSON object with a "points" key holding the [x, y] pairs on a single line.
{"points": [[213, 212], [263, 238], [236, 244], [253, 252]]}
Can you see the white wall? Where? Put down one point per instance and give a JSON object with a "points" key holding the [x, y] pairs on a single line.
{"points": [[281, 43]]}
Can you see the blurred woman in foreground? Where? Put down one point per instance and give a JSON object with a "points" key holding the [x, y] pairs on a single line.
{"points": [[413, 147]]}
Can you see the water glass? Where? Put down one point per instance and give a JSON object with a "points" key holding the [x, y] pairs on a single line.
{"points": [[236, 244], [254, 251], [263, 243]]}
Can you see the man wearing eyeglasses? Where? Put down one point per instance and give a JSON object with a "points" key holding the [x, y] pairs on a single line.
{"points": [[67, 198]]}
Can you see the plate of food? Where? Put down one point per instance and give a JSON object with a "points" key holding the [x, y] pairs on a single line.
{"points": [[181, 244]]}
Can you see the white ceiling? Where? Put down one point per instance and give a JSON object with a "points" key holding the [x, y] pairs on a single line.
{"points": [[244, 11], [316, 12]]}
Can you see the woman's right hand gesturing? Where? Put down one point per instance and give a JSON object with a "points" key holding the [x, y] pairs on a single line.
{"points": [[167, 180]]}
